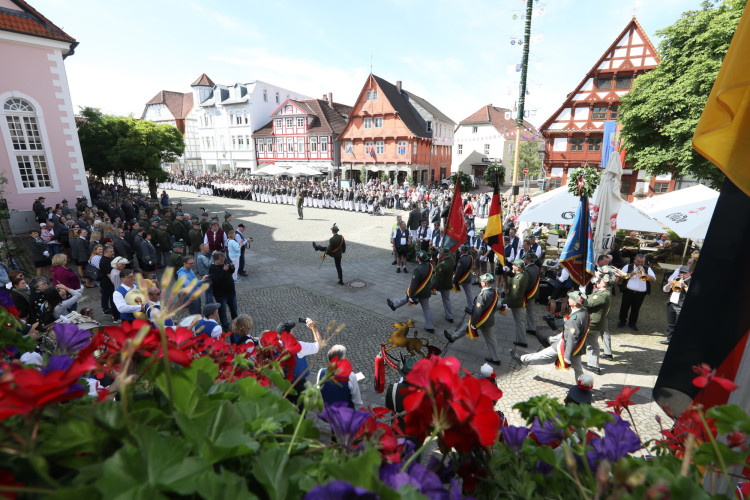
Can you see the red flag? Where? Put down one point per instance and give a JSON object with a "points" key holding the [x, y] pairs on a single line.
{"points": [[455, 231]]}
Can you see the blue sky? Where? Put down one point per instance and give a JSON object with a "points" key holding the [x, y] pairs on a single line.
{"points": [[455, 54]]}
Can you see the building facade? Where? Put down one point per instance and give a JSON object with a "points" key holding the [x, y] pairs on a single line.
{"points": [[227, 115], [305, 133], [396, 133], [575, 132], [176, 109], [37, 126], [488, 136]]}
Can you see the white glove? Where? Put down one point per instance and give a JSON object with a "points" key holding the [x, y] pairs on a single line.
{"points": [[506, 269], [45, 253]]}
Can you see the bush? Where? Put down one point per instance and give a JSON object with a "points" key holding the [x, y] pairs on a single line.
{"points": [[464, 181]]}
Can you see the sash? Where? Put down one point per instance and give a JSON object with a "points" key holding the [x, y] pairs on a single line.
{"points": [[465, 275], [560, 362], [471, 330], [533, 290], [337, 248], [421, 285]]}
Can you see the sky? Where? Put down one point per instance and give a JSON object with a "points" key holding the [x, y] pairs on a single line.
{"points": [[457, 55]]}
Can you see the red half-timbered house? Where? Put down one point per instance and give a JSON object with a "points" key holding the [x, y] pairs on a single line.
{"points": [[574, 133], [303, 132]]}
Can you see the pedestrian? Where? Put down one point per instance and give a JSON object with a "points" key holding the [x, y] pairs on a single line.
{"points": [[336, 248], [202, 265], [244, 242], [39, 252], [222, 282], [401, 240], [344, 391], [419, 291], [482, 319], [234, 252]]}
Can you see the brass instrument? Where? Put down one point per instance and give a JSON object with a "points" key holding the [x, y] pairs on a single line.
{"points": [[642, 274], [136, 296], [620, 273], [679, 285]]}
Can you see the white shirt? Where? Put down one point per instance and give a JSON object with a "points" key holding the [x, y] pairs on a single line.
{"points": [[564, 275], [119, 300], [634, 283]]}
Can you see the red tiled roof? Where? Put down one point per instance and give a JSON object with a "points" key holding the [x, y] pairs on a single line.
{"points": [[177, 103], [203, 80], [327, 121], [30, 22], [496, 117]]}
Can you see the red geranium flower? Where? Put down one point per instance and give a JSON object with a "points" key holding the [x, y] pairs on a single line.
{"points": [[706, 375], [622, 401]]}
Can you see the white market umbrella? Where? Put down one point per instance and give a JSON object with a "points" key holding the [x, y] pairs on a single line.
{"points": [[302, 170], [687, 212], [606, 206], [271, 170], [559, 207]]}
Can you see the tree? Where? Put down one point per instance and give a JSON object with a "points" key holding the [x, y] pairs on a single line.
{"points": [[492, 169], [529, 157], [116, 145], [464, 180], [660, 113]]}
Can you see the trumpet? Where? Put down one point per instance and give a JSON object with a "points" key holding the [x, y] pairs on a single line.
{"points": [[619, 273], [679, 285], [641, 273]]}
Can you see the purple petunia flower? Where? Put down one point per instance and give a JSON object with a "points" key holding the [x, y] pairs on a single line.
{"points": [[423, 479], [339, 490], [344, 421], [57, 362], [619, 440], [5, 299], [546, 432], [70, 338], [514, 437]]}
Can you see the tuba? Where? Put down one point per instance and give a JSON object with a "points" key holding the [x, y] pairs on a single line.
{"points": [[136, 296]]}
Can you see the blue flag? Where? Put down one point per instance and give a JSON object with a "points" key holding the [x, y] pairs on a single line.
{"points": [[609, 142], [578, 255]]}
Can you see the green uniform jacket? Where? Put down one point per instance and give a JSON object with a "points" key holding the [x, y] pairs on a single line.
{"points": [[421, 273], [515, 296], [177, 228], [195, 237], [533, 272], [204, 226], [575, 329], [598, 308], [442, 278], [484, 301], [165, 242], [336, 246], [463, 269], [227, 226], [175, 260], [300, 200], [144, 224]]}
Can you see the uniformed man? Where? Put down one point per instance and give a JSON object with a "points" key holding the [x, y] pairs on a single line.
{"points": [[227, 225], [598, 308], [420, 290], [336, 248], [205, 223], [567, 346], [177, 228], [515, 299], [165, 242], [195, 237], [532, 286], [175, 257], [482, 319], [442, 279], [300, 202], [462, 275]]}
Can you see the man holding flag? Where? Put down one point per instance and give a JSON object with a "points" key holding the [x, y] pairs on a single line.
{"points": [[493, 233]]}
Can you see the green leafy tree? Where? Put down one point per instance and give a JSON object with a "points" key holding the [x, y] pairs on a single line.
{"points": [[660, 113], [492, 169], [464, 181], [116, 145], [529, 157]]}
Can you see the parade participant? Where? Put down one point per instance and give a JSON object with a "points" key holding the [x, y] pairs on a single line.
{"points": [[205, 223], [300, 202], [638, 285], [482, 252], [40, 212], [222, 284], [393, 241], [107, 287], [195, 237], [334, 391], [566, 347], [598, 309], [153, 307], [127, 280], [227, 225], [515, 299], [177, 228], [244, 242], [442, 279], [461, 276], [215, 238], [401, 241], [419, 290], [424, 234], [532, 286], [175, 258], [149, 256], [122, 247], [163, 243], [676, 290], [396, 392], [336, 248], [482, 319], [208, 324]]}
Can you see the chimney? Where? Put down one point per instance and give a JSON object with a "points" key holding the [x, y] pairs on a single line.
{"points": [[398, 86], [330, 99]]}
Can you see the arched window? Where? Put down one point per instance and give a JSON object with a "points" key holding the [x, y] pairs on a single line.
{"points": [[28, 153]]}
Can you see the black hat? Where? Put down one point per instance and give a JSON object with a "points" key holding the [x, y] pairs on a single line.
{"points": [[209, 309]]}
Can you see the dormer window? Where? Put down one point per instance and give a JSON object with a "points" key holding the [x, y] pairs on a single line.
{"points": [[265, 95], [429, 126]]}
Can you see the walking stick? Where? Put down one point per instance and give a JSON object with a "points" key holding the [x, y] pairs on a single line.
{"points": [[322, 259], [448, 346]]}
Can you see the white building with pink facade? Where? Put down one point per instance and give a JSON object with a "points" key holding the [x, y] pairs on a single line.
{"points": [[37, 124]]}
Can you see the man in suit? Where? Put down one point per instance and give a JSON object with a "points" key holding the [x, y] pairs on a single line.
{"points": [[336, 249], [482, 319], [420, 290], [515, 299], [415, 218], [567, 346]]}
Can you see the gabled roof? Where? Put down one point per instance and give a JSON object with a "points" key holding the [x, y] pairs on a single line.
{"points": [[495, 116], [400, 103], [28, 21], [203, 81], [429, 107], [177, 103], [326, 120], [633, 24]]}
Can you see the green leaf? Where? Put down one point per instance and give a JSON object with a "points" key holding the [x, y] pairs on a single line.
{"points": [[278, 473], [706, 454], [729, 418], [189, 399], [361, 470]]}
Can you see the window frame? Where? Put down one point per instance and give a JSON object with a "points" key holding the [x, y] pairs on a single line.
{"points": [[323, 144], [377, 122], [599, 113], [460, 149], [487, 149], [594, 144], [288, 122], [399, 145], [367, 123], [290, 144], [575, 144], [301, 145], [300, 122], [313, 144], [379, 147], [597, 85], [614, 112], [661, 187], [619, 79]]}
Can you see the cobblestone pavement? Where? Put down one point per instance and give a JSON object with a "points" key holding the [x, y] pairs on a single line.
{"points": [[286, 281]]}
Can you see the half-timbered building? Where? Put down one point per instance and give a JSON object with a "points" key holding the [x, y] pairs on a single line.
{"points": [[575, 132], [395, 132]]}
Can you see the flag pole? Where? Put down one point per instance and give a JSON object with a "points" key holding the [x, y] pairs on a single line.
{"points": [[522, 97]]}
